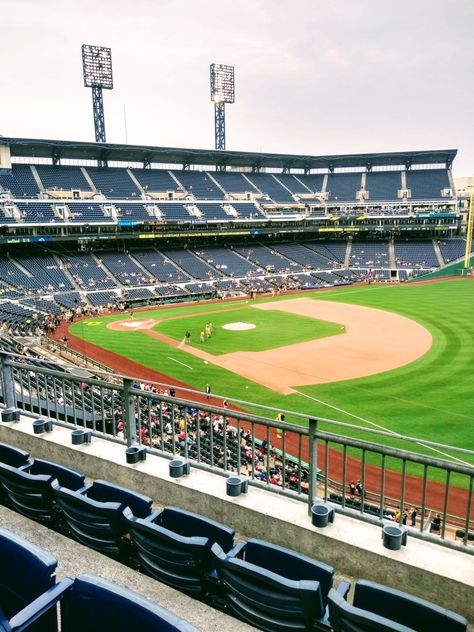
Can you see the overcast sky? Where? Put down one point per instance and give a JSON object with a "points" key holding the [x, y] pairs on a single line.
{"points": [[312, 76]]}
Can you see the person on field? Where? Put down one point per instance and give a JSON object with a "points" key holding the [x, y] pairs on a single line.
{"points": [[201, 336], [208, 390], [187, 337]]}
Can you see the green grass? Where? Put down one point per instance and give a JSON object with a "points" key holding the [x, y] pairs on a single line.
{"points": [[272, 329], [430, 398]]}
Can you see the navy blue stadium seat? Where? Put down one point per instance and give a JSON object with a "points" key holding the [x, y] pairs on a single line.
{"points": [[274, 588], [30, 491], [26, 572], [95, 604], [95, 516], [382, 609], [174, 546], [15, 458]]}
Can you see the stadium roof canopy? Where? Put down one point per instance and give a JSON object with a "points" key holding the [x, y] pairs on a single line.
{"points": [[76, 150]]}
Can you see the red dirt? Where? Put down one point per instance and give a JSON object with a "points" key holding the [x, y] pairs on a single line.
{"points": [[458, 497]]}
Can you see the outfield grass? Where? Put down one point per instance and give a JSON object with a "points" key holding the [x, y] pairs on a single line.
{"points": [[272, 329], [431, 398]]}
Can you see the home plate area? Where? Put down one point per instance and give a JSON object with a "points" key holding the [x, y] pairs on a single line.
{"points": [[239, 326]]}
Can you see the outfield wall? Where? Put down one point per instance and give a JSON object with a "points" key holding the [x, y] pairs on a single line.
{"points": [[355, 549]]}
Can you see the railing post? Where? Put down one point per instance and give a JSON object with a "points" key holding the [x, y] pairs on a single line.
{"points": [[313, 462], [128, 411], [8, 383]]}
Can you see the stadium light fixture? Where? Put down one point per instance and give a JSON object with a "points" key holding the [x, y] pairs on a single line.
{"points": [[97, 71], [222, 92]]}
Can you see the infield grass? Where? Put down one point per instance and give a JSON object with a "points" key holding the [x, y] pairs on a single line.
{"points": [[272, 329], [431, 398]]}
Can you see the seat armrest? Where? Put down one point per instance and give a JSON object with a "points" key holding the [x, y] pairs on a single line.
{"points": [[237, 550], [40, 605], [343, 588], [83, 490], [153, 516]]}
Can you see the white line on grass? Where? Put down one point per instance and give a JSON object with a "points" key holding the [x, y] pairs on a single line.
{"points": [[179, 362], [372, 423]]}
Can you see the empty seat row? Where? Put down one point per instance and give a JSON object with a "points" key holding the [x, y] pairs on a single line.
{"points": [[265, 585]]}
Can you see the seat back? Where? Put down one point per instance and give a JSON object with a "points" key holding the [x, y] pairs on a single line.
{"points": [[190, 524], [105, 492], [99, 525], [66, 477], [26, 571], [289, 564], [179, 561], [12, 456], [344, 617], [30, 495], [406, 609], [95, 604], [267, 600]]}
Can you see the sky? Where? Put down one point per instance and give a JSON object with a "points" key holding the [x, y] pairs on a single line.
{"points": [[312, 76]]}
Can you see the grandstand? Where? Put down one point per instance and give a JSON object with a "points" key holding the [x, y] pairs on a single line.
{"points": [[172, 225]]}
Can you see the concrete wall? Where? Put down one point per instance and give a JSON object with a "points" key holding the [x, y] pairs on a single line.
{"points": [[355, 549], [5, 157]]}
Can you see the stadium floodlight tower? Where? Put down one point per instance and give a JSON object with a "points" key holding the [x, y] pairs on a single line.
{"points": [[97, 70], [222, 92]]}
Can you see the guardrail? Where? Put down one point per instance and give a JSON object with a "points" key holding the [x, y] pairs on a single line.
{"points": [[301, 461]]}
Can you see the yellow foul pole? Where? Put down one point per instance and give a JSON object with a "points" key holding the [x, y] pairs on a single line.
{"points": [[470, 218]]}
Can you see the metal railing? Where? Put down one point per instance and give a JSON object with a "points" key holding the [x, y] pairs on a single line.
{"points": [[303, 461]]}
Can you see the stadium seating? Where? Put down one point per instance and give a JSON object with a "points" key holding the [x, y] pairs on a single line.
{"points": [[272, 587], [452, 249], [427, 184], [174, 546], [155, 180], [65, 178], [365, 254], [36, 212], [124, 268], [383, 185], [29, 595], [228, 262], [382, 609], [95, 604], [271, 187], [304, 256], [314, 181], [268, 259], [293, 183], [25, 179], [343, 187], [46, 272], [95, 518], [30, 490], [199, 185], [415, 254], [175, 212], [113, 183], [191, 264], [26, 572], [234, 182], [159, 266], [132, 212], [87, 273]]}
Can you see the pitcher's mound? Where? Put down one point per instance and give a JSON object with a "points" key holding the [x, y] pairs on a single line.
{"points": [[238, 326]]}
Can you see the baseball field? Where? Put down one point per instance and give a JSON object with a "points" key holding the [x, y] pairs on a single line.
{"points": [[398, 357]]}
